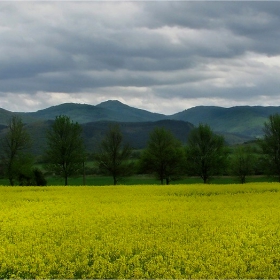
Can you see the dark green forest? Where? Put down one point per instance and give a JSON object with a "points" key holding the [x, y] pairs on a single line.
{"points": [[241, 132]]}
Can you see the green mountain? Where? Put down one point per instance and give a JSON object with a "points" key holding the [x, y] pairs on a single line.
{"points": [[77, 112], [136, 134], [125, 113], [241, 120], [107, 111], [237, 124], [6, 115]]}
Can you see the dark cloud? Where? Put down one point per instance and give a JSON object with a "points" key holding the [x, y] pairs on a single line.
{"points": [[139, 52], [254, 22]]}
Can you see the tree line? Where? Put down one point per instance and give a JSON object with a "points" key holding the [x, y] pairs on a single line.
{"points": [[205, 154]]}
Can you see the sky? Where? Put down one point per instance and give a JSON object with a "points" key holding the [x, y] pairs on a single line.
{"points": [[161, 56]]}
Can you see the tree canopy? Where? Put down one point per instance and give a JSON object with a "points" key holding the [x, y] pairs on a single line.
{"points": [[206, 153], [163, 156], [271, 144], [242, 162], [113, 155], [65, 152], [15, 145]]}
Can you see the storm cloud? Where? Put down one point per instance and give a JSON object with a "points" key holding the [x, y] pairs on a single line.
{"points": [[160, 56]]}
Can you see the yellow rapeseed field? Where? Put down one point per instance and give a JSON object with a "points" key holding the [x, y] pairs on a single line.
{"points": [[176, 231]]}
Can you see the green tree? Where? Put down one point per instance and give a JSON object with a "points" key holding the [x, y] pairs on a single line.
{"points": [[65, 152], [270, 145], [24, 174], [163, 156], [242, 163], [113, 157], [15, 149], [206, 153]]}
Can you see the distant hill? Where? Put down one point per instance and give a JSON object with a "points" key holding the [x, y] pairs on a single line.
{"points": [[77, 112], [237, 124], [125, 113], [136, 134], [111, 110], [6, 115], [241, 120], [2, 127]]}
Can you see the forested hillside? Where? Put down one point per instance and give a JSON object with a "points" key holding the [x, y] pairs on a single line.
{"points": [[136, 134], [243, 120], [237, 124]]}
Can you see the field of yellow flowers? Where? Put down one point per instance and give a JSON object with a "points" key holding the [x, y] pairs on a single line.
{"points": [[176, 231]]}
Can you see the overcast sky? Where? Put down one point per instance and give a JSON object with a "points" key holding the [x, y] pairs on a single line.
{"points": [[160, 56]]}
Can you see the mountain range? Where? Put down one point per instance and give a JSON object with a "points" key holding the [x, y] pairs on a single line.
{"points": [[237, 124]]}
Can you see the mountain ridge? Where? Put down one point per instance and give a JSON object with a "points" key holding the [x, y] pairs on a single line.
{"points": [[83, 113], [245, 122]]}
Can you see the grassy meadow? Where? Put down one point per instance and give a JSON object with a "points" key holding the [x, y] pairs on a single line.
{"points": [[144, 231], [97, 180]]}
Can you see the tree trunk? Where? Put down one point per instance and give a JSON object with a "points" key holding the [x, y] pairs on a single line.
{"points": [[84, 174], [11, 181], [205, 179]]}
